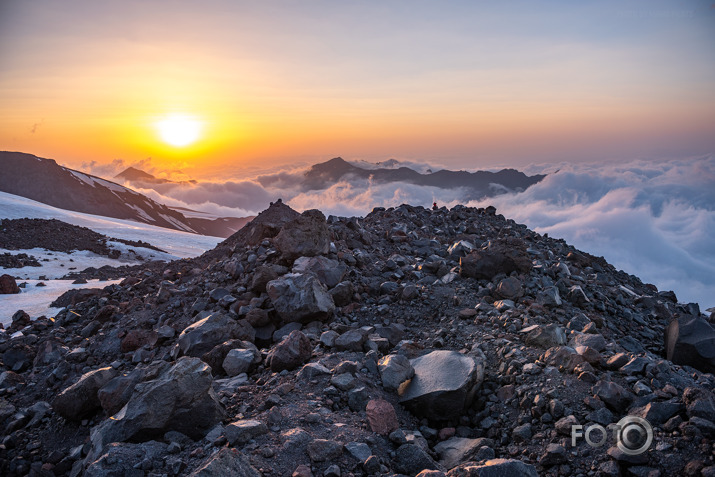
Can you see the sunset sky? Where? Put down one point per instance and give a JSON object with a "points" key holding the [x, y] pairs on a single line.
{"points": [[462, 83]]}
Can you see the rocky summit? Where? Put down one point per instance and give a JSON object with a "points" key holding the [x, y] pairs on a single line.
{"points": [[411, 341]]}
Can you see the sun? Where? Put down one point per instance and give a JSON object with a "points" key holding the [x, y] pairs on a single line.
{"points": [[179, 129]]}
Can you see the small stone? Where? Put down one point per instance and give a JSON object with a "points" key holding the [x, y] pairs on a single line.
{"points": [[381, 416]]}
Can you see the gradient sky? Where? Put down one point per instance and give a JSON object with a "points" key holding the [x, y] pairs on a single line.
{"points": [[464, 83]]}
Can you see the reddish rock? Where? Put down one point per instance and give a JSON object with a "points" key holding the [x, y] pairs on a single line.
{"points": [[8, 285], [381, 416]]}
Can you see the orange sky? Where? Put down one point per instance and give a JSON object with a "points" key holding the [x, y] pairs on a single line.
{"points": [[469, 86]]}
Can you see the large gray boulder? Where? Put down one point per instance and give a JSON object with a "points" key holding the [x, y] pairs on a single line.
{"points": [[329, 272], [444, 384], [300, 297], [80, 399], [200, 337], [691, 341], [305, 236], [180, 399]]}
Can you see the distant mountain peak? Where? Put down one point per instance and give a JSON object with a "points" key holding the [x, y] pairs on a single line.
{"points": [[134, 174]]}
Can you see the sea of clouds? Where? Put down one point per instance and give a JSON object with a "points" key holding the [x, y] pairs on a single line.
{"points": [[651, 218]]}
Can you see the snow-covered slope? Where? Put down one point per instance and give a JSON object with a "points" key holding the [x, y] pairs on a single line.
{"points": [[177, 244], [35, 300]]}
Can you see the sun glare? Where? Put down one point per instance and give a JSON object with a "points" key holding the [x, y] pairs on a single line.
{"points": [[179, 129]]}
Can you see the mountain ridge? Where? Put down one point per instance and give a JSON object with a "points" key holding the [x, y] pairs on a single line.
{"points": [[45, 181]]}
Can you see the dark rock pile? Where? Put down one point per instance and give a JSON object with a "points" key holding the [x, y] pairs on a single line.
{"points": [[18, 260], [408, 342], [58, 236]]}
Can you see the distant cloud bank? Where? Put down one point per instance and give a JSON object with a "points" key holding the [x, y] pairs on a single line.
{"points": [[655, 220]]}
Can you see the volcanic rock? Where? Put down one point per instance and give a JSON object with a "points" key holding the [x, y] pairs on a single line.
{"points": [[8, 285], [691, 341], [181, 399], [202, 336], [290, 353], [300, 297], [329, 272], [80, 399], [305, 236], [443, 385]]}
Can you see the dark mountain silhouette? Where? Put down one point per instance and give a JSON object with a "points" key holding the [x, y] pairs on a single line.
{"points": [[134, 175], [46, 181], [323, 175]]}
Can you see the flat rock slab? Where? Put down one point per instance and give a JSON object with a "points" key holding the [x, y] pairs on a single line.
{"points": [[443, 385]]}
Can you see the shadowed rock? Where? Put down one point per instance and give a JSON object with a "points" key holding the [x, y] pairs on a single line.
{"points": [[691, 341], [181, 399]]}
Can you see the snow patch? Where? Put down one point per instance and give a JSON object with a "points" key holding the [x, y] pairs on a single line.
{"points": [[35, 301]]}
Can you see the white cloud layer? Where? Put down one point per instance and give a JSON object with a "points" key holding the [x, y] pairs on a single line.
{"points": [[655, 220]]}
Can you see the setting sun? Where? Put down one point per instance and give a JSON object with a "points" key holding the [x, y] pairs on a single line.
{"points": [[179, 129]]}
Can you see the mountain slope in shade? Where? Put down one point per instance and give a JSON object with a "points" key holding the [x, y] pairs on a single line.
{"points": [[321, 176], [46, 181]]}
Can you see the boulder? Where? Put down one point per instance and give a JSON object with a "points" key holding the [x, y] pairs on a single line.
{"points": [[483, 264], [342, 293], [595, 341], [395, 369], [699, 403], [510, 288], [411, 459], [549, 297], [180, 399], [305, 236], [351, 340], [329, 272], [546, 336], [114, 395], [563, 356], [200, 337], [8, 285], [121, 458], [290, 353], [239, 361], [613, 395], [443, 386], [500, 256], [218, 353], [300, 297], [227, 461], [242, 431], [691, 341], [261, 277], [80, 399], [321, 450], [456, 450]]}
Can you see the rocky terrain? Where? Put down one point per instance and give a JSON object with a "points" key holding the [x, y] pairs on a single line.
{"points": [[407, 342], [58, 236]]}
